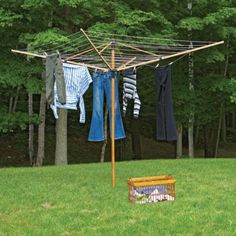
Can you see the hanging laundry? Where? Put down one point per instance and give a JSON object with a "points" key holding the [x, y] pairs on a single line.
{"points": [[54, 73], [77, 80], [130, 91], [166, 127], [101, 86]]}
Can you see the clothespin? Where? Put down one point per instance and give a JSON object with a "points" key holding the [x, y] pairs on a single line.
{"points": [[158, 62]]}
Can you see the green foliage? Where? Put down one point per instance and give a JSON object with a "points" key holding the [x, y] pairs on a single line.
{"points": [[233, 90], [16, 120], [214, 55], [35, 4], [7, 18], [71, 3], [222, 14], [20, 73], [191, 23], [134, 18], [53, 36]]}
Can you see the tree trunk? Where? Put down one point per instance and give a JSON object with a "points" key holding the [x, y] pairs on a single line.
{"points": [[31, 129], [136, 140], [41, 129], [61, 138], [190, 141], [209, 140], [196, 135], [191, 117], [211, 135], [105, 135], [223, 127], [206, 144], [120, 147], [218, 132], [191, 89], [179, 142], [10, 104], [16, 100], [225, 76], [233, 120]]}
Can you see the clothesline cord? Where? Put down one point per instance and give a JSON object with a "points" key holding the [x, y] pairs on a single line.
{"points": [[70, 43], [126, 50], [68, 47], [142, 37], [120, 38], [179, 58], [125, 56], [151, 45], [99, 40], [68, 36], [125, 59], [72, 48], [173, 62]]}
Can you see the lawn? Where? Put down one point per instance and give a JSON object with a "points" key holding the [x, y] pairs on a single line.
{"points": [[79, 200]]}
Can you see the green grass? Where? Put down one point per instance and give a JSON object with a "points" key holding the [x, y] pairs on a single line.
{"points": [[79, 200]]}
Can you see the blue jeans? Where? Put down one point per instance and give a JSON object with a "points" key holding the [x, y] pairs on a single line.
{"points": [[101, 86]]}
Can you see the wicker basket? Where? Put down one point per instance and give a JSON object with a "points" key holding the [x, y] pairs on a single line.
{"points": [[151, 189]]}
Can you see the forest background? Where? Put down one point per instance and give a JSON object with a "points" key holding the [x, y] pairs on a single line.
{"points": [[27, 126]]}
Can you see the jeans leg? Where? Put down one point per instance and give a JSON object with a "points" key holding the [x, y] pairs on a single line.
{"points": [[96, 132], [119, 128]]}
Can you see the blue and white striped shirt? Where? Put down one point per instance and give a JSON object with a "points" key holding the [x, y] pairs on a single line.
{"points": [[77, 80]]}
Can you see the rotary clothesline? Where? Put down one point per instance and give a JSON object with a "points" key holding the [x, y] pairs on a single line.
{"points": [[130, 51], [115, 52]]}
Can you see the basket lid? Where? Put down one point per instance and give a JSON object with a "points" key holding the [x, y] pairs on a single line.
{"points": [[151, 180]]}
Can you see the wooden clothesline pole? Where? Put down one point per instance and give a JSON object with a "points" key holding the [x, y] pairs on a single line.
{"points": [[104, 60], [173, 55]]}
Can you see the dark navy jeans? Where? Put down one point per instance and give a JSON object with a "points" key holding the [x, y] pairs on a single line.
{"points": [[101, 87]]}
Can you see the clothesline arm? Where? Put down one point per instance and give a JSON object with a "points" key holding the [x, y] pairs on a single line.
{"points": [[138, 49], [173, 55], [84, 52], [126, 63], [107, 45], [28, 53], [71, 62], [104, 60]]}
